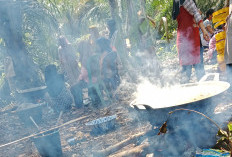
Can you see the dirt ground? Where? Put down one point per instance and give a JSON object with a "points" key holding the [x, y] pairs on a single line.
{"points": [[86, 144]]}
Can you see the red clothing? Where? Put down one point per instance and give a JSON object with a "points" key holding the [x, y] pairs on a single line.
{"points": [[188, 38]]}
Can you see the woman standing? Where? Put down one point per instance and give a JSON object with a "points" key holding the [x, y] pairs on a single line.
{"points": [[108, 64], [188, 39], [68, 61]]}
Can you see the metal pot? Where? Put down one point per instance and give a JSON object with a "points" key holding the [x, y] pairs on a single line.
{"points": [[194, 96], [102, 125], [27, 110]]}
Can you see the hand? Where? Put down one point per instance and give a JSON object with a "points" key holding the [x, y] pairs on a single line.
{"points": [[206, 35]]}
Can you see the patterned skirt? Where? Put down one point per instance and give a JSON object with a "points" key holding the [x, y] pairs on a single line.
{"points": [[62, 102]]}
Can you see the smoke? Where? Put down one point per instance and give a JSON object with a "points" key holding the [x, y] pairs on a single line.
{"points": [[186, 131], [156, 84]]}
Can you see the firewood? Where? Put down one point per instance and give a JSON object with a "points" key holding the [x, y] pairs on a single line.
{"points": [[118, 146], [42, 132], [136, 151]]}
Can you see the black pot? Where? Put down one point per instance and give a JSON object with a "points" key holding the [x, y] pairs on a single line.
{"points": [[188, 126], [27, 110], [32, 95], [157, 117], [48, 144], [193, 96]]}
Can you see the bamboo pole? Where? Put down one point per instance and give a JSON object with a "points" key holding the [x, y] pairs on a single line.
{"points": [[42, 132]]}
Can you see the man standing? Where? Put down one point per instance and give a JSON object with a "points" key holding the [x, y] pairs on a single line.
{"points": [[228, 46], [188, 39]]}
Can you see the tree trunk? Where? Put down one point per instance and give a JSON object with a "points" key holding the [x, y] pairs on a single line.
{"points": [[113, 8], [120, 43], [11, 32]]}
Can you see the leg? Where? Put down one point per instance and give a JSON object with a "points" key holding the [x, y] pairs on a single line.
{"points": [[199, 68], [200, 71], [76, 91], [201, 54], [229, 73], [186, 73], [94, 95]]}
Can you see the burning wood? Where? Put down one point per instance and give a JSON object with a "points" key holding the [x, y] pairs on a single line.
{"points": [[163, 128]]}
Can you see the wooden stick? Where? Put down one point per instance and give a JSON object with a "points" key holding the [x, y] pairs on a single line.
{"points": [[136, 151], [118, 146], [152, 21], [58, 120], [34, 123], [42, 132]]}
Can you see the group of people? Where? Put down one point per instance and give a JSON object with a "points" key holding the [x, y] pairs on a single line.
{"points": [[98, 55], [97, 62], [194, 36]]}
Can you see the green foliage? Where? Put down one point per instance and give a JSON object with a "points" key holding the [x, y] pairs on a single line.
{"points": [[163, 8], [159, 9], [225, 139], [45, 20], [206, 5], [40, 29], [166, 51]]}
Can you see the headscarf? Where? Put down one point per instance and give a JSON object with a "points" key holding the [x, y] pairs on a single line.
{"points": [[176, 8]]}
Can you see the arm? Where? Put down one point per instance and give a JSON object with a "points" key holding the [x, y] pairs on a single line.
{"points": [[204, 31], [227, 3], [212, 47], [208, 26], [210, 29], [191, 7]]}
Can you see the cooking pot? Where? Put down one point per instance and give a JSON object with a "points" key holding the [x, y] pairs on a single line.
{"points": [[27, 110], [194, 96], [32, 95]]}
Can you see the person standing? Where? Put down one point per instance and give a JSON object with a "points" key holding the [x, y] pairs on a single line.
{"points": [[108, 64], [228, 46], [85, 50], [188, 39], [208, 25], [68, 61]]}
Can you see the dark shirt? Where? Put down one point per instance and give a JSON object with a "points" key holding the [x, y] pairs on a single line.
{"points": [[109, 70], [55, 84], [109, 65]]}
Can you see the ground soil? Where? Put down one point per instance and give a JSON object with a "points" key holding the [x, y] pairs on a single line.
{"points": [[86, 144]]}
